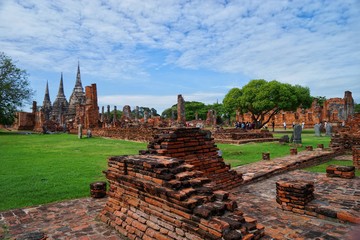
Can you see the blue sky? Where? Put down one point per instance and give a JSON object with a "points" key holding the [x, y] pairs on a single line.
{"points": [[144, 53]]}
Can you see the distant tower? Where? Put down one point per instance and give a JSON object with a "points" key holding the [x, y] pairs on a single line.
{"points": [[61, 105], [77, 97], [46, 107], [349, 105]]}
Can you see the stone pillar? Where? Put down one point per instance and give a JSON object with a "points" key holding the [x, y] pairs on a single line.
{"points": [[34, 107], [146, 116], [196, 116], [80, 131], [214, 118], [136, 113], [320, 145], [108, 114], [181, 120], [265, 156], [309, 148], [293, 151], [115, 117], [102, 114]]}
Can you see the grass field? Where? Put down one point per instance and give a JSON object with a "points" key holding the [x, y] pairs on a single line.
{"points": [[37, 169], [238, 155], [322, 167]]}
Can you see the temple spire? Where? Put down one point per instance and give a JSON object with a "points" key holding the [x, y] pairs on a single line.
{"points": [[47, 95], [78, 84], [61, 88]]}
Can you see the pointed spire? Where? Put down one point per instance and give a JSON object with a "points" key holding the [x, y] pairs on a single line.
{"points": [[61, 88], [78, 83], [47, 95]]}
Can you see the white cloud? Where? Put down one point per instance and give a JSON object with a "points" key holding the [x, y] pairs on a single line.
{"points": [[300, 42]]}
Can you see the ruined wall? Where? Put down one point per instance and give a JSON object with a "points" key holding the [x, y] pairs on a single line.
{"points": [[24, 121], [240, 134], [134, 133], [91, 107], [347, 137], [157, 197], [197, 148], [335, 110]]}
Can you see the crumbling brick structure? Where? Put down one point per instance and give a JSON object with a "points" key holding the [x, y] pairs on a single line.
{"points": [[237, 135], [197, 148], [340, 171], [334, 110], [294, 195], [157, 197], [347, 137], [356, 156]]}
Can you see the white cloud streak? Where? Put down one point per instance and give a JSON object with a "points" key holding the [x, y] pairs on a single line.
{"points": [[312, 43]]}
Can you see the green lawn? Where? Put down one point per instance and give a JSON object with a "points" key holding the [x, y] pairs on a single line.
{"points": [[238, 155], [37, 169], [322, 167]]}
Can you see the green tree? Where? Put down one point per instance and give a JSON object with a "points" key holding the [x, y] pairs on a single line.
{"points": [[264, 99], [15, 89], [231, 101], [357, 108], [191, 108]]}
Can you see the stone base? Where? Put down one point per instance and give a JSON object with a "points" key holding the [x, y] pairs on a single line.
{"points": [[340, 171]]}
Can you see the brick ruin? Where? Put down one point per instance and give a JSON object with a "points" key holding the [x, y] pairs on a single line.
{"points": [[238, 135], [196, 147], [333, 110], [347, 137], [159, 197]]}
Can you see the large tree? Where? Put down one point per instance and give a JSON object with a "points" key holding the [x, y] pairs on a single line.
{"points": [[264, 99], [15, 89]]}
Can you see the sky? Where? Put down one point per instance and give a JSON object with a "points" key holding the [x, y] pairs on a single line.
{"points": [[145, 53]]}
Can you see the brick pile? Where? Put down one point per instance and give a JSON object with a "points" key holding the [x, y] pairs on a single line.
{"points": [[157, 197], [347, 137], [238, 136], [197, 148], [356, 156], [340, 171], [294, 195]]}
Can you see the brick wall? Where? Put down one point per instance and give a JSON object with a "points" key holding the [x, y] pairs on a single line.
{"points": [[197, 148], [133, 133], [157, 197]]}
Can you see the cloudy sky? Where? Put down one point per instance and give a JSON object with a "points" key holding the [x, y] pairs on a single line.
{"points": [[146, 52]]}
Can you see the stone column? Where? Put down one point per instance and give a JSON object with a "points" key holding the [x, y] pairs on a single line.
{"points": [[102, 114], [136, 113], [115, 117], [34, 107], [181, 120], [146, 116], [80, 131]]}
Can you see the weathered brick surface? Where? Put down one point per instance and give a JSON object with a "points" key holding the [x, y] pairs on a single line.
{"points": [[356, 156], [334, 110], [198, 149], [347, 137], [134, 133], [340, 171], [294, 195], [238, 136], [158, 197]]}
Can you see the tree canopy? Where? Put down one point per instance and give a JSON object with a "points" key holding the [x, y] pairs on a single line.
{"points": [[264, 99], [15, 89]]}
